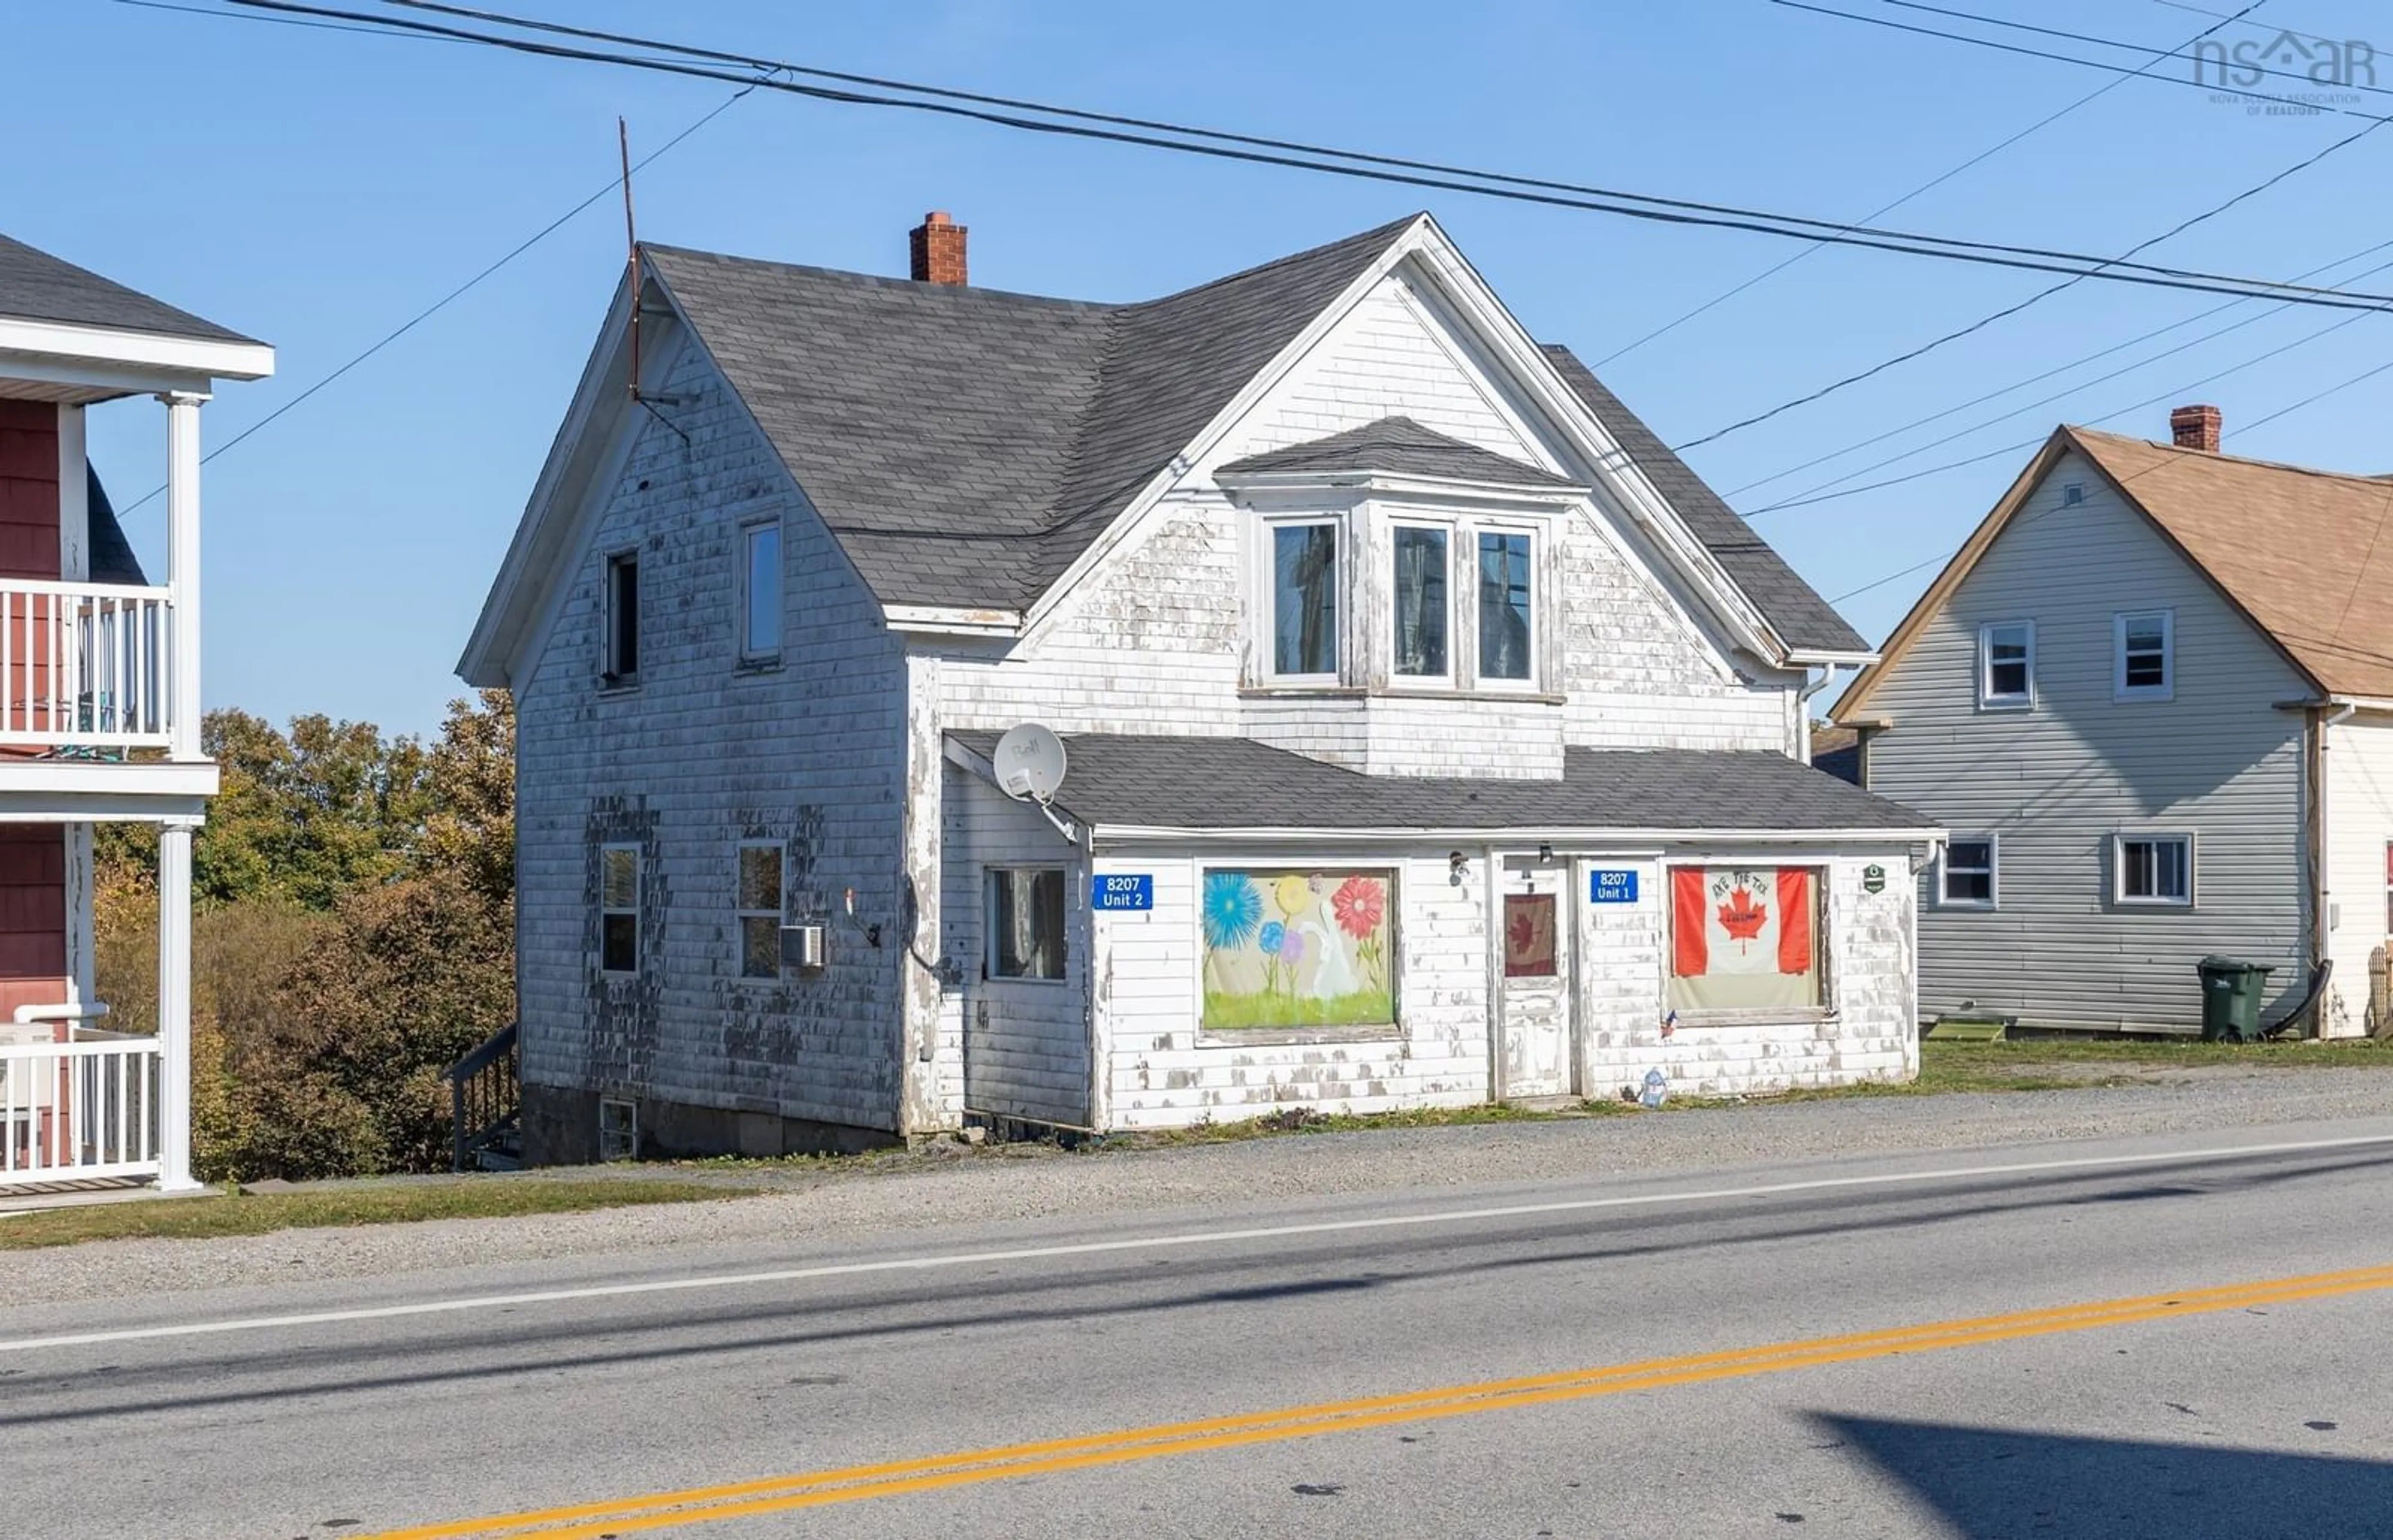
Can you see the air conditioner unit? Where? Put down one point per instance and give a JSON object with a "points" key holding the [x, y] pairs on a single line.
{"points": [[802, 947]]}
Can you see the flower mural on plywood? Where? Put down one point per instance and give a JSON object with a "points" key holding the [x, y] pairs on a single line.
{"points": [[1296, 948]]}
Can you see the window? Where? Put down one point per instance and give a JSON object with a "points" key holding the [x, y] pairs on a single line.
{"points": [[1529, 937], [760, 594], [1505, 632], [1967, 875], [2153, 868], [1025, 924], [1744, 938], [1304, 599], [1291, 949], [1422, 607], [758, 909], [2147, 665], [623, 618], [2071, 493], [619, 908], [2388, 889], [2007, 663]]}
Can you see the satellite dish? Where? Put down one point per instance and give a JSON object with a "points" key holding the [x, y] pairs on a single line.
{"points": [[1030, 761]]}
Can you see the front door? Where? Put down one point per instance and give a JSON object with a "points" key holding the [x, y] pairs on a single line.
{"points": [[1534, 994]]}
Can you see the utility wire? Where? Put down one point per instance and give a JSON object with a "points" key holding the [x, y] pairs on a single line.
{"points": [[2033, 299], [2042, 376], [1930, 186], [2114, 43], [612, 188], [1889, 22], [2308, 401], [1665, 211]]}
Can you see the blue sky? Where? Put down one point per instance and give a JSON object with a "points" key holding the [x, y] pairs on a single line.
{"points": [[316, 188]]}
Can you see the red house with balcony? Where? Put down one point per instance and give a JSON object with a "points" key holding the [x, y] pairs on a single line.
{"points": [[100, 715]]}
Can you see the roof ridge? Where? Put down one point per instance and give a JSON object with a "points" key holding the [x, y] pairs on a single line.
{"points": [[884, 280], [2222, 457], [1388, 231]]}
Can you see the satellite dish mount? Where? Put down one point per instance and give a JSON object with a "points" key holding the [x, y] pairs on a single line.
{"points": [[1030, 761]]}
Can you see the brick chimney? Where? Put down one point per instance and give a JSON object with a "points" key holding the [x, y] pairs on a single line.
{"points": [[2192, 427], [938, 249]]}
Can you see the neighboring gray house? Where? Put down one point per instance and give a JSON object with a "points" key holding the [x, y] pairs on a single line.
{"points": [[2151, 699], [1434, 733]]}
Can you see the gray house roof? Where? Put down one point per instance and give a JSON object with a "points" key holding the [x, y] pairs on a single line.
{"points": [[1401, 447], [36, 286], [967, 445], [112, 560], [1238, 783]]}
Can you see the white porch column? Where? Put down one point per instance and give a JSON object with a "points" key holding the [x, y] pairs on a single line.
{"points": [[183, 570], [175, 1006]]}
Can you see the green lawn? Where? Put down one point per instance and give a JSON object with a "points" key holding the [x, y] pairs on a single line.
{"points": [[255, 1214], [2074, 1064]]}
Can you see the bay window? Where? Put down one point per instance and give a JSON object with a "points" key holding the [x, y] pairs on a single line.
{"points": [[1422, 612], [1506, 632], [1304, 599]]}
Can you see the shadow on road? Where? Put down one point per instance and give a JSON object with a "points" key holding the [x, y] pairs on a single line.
{"points": [[1993, 1483]]}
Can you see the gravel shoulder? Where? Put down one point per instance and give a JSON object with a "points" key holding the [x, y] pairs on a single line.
{"points": [[901, 1195]]}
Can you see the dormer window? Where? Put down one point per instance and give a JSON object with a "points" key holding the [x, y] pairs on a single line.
{"points": [[1506, 608], [1424, 612], [1304, 600]]}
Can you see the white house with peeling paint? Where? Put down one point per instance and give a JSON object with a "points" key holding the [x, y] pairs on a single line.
{"points": [[1434, 733]]}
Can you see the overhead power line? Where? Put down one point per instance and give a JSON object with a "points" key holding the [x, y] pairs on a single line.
{"points": [[2187, 82], [610, 190], [1929, 186], [1386, 169]]}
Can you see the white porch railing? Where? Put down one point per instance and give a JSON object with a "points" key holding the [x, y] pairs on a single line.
{"points": [[88, 1108], [85, 665]]}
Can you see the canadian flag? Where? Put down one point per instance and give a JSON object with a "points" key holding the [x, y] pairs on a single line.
{"points": [[1738, 920]]}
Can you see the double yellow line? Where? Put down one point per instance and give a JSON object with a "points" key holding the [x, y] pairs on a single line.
{"points": [[859, 1482]]}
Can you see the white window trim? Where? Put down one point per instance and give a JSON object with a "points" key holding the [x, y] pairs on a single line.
{"points": [[1987, 700], [1267, 594], [1994, 899], [1535, 682], [2120, 689], [777, 913], [1453, 530], [749, 657], [638, 861], [989, 923], [2119, 894]]}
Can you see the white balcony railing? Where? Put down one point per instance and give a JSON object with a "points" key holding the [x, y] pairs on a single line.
{"points": [[83, 1109], [85, 666]]}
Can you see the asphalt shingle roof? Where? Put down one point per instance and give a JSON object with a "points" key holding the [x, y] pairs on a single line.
{"points": [[1401, 447], [36, 286], [967, 445], [1238, 783], [112, 560], [1802, 617]]}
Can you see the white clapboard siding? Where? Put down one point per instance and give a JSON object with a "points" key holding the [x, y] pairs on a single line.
{"points": [[2054, 783], [1025, 1042], [2358, 869]]}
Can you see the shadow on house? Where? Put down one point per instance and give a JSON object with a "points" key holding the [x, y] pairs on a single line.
{"points": [[1990, 1482]]}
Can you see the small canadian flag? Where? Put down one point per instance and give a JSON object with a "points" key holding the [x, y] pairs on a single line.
{"points": [[1740, 920]]}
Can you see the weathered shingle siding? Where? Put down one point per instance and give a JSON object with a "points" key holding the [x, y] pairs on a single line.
{"points": [[2054, 783], [1025, 1041], [1152, 642], [2360, 839], [697, 757]]}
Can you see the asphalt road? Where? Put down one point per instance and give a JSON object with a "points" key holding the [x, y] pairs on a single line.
{"points": [[2179, 1338]]}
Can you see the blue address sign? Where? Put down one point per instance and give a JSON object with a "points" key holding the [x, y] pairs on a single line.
{"points": [[1123, 891], [1612, 885]]}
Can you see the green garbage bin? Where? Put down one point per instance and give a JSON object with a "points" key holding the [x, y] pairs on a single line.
{"points": [[2231, 998]]}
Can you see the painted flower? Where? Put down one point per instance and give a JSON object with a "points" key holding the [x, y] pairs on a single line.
{"points": [[1293, 894], [1272, 935], [1360, 903], [1233, 908], [1291, 947]]}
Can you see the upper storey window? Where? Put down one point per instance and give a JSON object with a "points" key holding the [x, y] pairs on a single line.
{"points": [[1506, 608], [1423, 614], [1304, 600]]}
